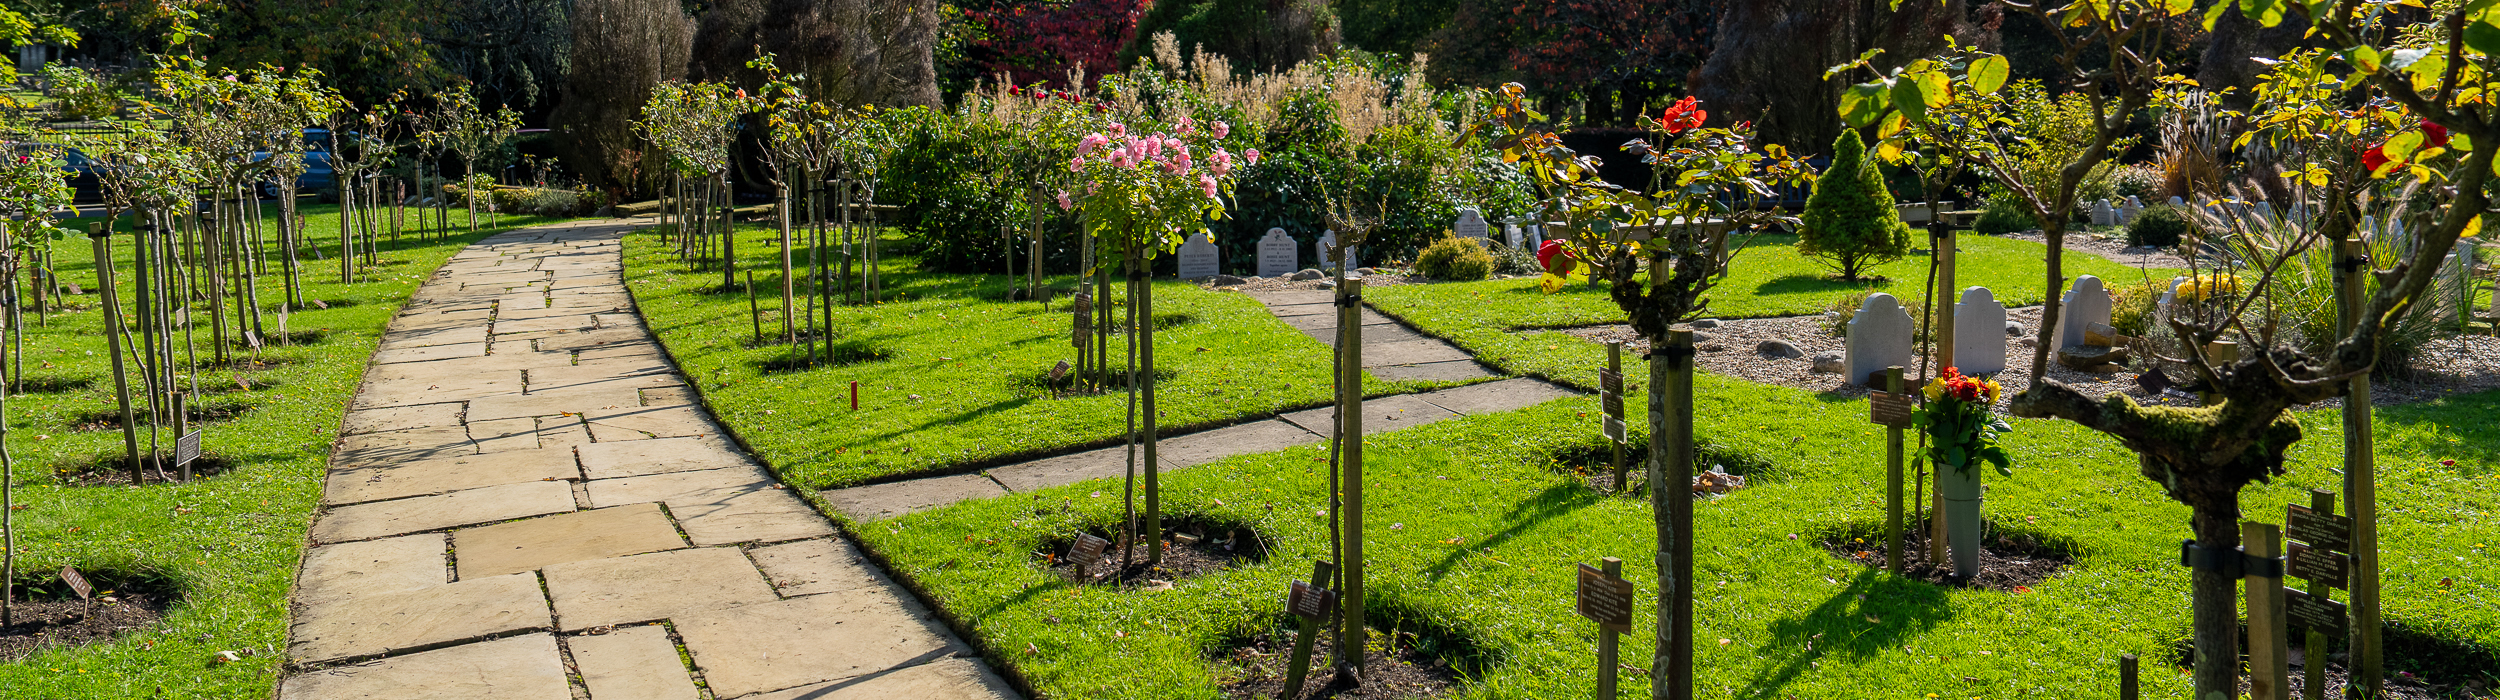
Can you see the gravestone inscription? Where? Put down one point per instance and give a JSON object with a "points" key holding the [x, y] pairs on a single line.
{"points": [[1278, 256], [1199, 258]]}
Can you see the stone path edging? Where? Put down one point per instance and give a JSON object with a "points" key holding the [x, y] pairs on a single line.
{"points": [[526, 502], [1391, 350]]}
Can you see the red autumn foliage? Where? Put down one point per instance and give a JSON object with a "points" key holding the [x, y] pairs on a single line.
{"points": [[1035, 41]]}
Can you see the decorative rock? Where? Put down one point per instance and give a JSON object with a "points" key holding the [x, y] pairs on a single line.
{"points": [[1308, 275], [2178, 202], [2014, 328], [1976, 350], [2086, 304], [2089, 357], [1830, 362], [1706, 323], [1879, 337], [1278, 255], [1229, 280], [1199, 258], [1779, 348], [1470, 224]]}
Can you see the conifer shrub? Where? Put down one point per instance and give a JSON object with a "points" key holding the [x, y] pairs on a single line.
{"points": [[1455, 259], [1850, 222]]}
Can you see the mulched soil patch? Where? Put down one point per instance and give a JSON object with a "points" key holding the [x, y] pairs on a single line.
{"points": [[1194, 549], [200, 414], [2010, 562], [2419, 666], [1401, 671], [113, 470], [47, 620]]}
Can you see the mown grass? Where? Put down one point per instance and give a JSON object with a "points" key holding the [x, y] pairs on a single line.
{"points": [[954, 376], [1474, 531], [1505, 322], [228, 542]]}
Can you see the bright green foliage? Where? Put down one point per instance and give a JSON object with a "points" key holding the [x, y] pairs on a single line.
{"points": [[2004, 214], [2160, 225], [1850, 222], [1455, 259]]}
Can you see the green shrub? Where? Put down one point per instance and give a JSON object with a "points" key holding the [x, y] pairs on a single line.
{"points": [[1850, 221], [1514, 261], [78, 95], [1455, 259], [2160, 225], [548, 201], [2132, 306], [2004, 214], [2136, 181]]}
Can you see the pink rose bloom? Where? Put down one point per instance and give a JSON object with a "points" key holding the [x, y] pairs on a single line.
{"points": [[1222, 130], [1154, 145], [1064, 203], [1092, 188], [1187, 126], [1221, 163], [1077, 165], [1182, 161], [1119, 129], [1091, 142], [1206, 183], [1251, 155]]}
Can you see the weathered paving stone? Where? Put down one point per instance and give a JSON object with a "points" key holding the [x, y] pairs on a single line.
{"points": [[1028, 476], [504, 434], [610, 460], [944, 678], [527, 667], [435, 476], [785, 644], [644, 422], [421, 513], [341, 572], [562, 322], [632, 663], [394, 446], [401, 418], [883, 501], [1450, 371], [428, 353], [379, 623], [1410, 352], [669, 396], [1495, 397], [657, 586], [560, 431], [768, 515], [552, 403], [536, 543], [1248, 438], [675, 487], [1379, 415], [809, 567]]}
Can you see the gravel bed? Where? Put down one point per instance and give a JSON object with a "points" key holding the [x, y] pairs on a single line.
{"points": [[2453, 365], [2115, 248], [1372, 278]]}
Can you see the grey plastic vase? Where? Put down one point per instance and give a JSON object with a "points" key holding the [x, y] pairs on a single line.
{"points": [[1961, 517]]}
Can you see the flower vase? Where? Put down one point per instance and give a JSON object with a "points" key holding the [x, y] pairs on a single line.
{"points": [[1961, 492]]}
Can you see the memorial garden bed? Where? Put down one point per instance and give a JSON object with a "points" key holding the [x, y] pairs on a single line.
{"points": [[951, 378], [1471, 526], [231, 537]]}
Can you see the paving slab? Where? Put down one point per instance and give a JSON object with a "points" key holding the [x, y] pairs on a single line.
{"points": [[611, 460], [1248, 438], [1450, 371], [526, 667], [1379, 415], [645, 422], [824, 565], [421, 513], [341, 572], [767, 515], [504, 434], [552, 403], [673, 488], [429, 353], [536, 543], [670, 396], [560, 431], [632, 663], [401, 418], [1495, 397], [883, 501], [656, 586], [1411, 352], [451, 335], [555, 322], [1108, 462], [437, 476], [393, 446], [813, 639], [384, 622], [952, 677]]}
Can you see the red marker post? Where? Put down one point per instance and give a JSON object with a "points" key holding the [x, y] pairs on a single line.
{"points": [[854, 396]]}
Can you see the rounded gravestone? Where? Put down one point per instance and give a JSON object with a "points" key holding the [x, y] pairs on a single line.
{"points": [[1978, 347], [1879, 337]]}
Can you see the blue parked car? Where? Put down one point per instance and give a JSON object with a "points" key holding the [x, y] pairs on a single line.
{"points": [[317, 176], [86, 187]]}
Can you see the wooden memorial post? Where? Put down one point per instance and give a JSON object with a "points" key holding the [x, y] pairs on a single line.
{"points": [[2220, 352], [1605, 598], [1610, 393], [1312, 603], [1352, 634], [1671, 504], [1891, 408], [2269, 651], [2360, 486], [2317, 556], [2127, 677]]}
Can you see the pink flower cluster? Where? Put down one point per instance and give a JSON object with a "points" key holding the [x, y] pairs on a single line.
{"points": [[1165, 153]]}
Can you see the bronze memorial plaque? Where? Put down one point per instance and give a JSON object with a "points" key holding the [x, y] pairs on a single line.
{"points": [[2314, 612], [1087, 550], [2320, 530], [1888, 409], [1610, 381], [1310, 602], [2318, 565], [1605, 599], [77, 583]]}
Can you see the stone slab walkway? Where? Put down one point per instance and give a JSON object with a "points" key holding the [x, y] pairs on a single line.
{"points": [[1391, 350], [526, 503]]}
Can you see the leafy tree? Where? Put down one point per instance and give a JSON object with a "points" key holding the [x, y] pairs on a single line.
{"points": [[1262, 34], [1046, 41], [1619, 54], [1850, 222], [1393, 26]]}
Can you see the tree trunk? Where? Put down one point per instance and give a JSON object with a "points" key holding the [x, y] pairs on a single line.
{"points": [[789, 282], [2215, 600], [1671, 506]]}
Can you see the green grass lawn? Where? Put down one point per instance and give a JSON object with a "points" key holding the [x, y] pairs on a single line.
{"points": [[228, 543], [1475, 530], [957, 379], [1498, 320]]}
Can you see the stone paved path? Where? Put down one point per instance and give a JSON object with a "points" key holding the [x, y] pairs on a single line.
{"points": [[526, 503], [1391, 350]]}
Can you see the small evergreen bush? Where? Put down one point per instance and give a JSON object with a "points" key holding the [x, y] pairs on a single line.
{"points": [[1850, 221], [1455, 259], [2160, 226]]}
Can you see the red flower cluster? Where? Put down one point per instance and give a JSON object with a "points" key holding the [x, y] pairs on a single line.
{"points": [[1044, 95], [2433, 136], [1953, 384], [1684, 114]]}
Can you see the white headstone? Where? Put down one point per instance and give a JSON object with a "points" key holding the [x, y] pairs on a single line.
{"points": [[1536, 238], [1470, 224], [1879, 337], [2086, 304], [1199, 258], [1511, 235], [1278, 255], [2172, 294], [2103, 215], [2178, 202], [2133, 208], [1328, 240], [1979, 332]]}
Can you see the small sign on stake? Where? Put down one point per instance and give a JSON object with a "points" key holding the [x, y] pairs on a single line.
{"points": [[1310, 602], [2320, 566], [1613, 403], [1614, 429], [77, 583], [1888, 409], [1606, 600], [1087, 550], [2323, 531], [187, 448], [2314, 612], [1610, 381]]}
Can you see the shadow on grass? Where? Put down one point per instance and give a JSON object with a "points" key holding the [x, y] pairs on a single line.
{"points": [[1813, 284], [1874, 613], [1555, 501]]}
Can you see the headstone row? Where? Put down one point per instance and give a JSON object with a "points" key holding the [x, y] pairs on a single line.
{"points": [[1882, 335]]}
